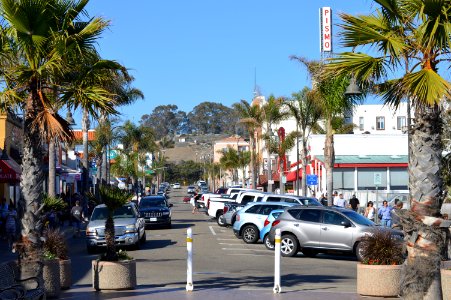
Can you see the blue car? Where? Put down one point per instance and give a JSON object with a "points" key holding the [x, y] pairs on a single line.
{"points": [[251, 218], [273, 215]]}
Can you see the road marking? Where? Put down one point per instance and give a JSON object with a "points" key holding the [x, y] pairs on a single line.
{"points": [[219, 239], [212, 230], [241, 249], [230, 244], [249, 254]]}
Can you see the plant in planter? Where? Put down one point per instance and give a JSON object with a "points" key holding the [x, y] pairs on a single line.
{"points": [[51, 274], [379, 274], [113, 270], [55, 242]]}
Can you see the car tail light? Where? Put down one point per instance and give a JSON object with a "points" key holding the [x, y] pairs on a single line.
{"points": [[226, 209], [276, 222], [203, 198], [266, 223], [237, 218]]}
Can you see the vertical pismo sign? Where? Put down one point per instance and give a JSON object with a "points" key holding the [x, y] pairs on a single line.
{"points": [[325, 29]]}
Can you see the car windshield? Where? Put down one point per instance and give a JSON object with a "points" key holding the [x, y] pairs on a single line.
{"points": [[310, 201], [157, 202], [357, 218], [101, 213]]}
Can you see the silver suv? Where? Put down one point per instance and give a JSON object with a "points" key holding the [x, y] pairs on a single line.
{"points": [[128, 226], [321, 229]]}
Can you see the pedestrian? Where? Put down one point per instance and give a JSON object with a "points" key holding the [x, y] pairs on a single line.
{"points": [[370, 211], [396, 221], [10, 226], [354, 203], [77, 216], [3, 213], [193, 202], [323, 200], [385, 214], [340, 201]]}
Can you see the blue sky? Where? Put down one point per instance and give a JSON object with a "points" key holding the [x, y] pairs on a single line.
{"points": [[188, 52]]}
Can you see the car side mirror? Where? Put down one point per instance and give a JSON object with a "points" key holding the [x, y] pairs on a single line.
{"points": [[346, 224], [171, 205]]}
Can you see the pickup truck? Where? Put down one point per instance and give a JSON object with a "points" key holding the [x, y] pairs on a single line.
{"points": [[229, 193], [215, 206]]}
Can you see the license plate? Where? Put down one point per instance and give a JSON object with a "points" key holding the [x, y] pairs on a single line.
{"points": [[153, 219]]}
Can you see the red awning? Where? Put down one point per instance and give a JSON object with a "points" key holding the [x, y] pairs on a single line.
{"points": [[9, 171], [291, 176]]}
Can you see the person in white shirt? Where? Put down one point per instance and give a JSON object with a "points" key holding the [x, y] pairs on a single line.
{"points": [[340, 201]]}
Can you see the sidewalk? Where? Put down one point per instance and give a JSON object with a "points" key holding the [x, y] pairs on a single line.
{"points": [[143, 292]]}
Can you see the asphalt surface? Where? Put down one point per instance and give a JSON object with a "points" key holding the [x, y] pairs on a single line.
{"points": [[224, 267]]}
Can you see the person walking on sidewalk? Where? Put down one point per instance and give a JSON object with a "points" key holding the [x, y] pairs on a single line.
{"points": [[385, 214], [10, 226], [77, 215]]}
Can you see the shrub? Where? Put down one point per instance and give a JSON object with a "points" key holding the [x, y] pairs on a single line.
{"points": [[55, 243], [381, 248]]}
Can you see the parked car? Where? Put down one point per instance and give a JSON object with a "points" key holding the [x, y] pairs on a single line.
{"points": [[273, 215], [316, 229], [176, 186], [251, 218], [155, 210], [291, 199], [128, 225], [191, 189]]}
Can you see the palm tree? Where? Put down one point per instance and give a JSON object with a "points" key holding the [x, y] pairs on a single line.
{"points": [[272, 115], [332, 101], [410, 40], [41, 38], [306, 112], [114, 199], [250, 116], [137, 142]]}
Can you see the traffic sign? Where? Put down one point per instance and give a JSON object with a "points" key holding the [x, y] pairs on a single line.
{"points": [[112, 154], [312, 179], [377, 178]]}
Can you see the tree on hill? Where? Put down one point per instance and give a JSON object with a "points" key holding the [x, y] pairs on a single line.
{"points": [[211, 117], [165, 120]]}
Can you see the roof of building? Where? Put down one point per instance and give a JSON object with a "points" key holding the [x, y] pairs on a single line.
{"points": [[232, 139], [78, 133], [356, 160]]}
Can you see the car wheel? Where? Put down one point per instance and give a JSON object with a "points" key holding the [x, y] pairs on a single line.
{"points": [[288, 245], [250, 234], [221, 221], [309, 252], [91, 249], [143, 238], [359, 252], [267, 242]]}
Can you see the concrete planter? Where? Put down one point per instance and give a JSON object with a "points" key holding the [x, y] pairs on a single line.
{"points": [[51, 273], [65, 273], [114, 275], [378, 280], [445, 274]]}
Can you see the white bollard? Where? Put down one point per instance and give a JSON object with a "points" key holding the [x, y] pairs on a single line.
{"points": [[277, 288], [189, 270]]}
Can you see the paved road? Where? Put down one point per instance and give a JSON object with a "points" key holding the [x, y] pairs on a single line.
{"points": [[222, 264]]}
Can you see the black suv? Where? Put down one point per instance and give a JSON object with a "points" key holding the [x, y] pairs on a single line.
{"points": [[155, 210]]}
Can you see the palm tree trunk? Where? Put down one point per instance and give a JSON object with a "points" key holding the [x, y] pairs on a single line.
{"points": [[52, 169], [425, 241], [31, 183], [103, 178], [85, 129], [252, 165], [111, 254], [329, 160], [304, 167]]}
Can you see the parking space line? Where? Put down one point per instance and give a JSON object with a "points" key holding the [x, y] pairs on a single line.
{"points": [[243, 249], [221, 239], [248, 254], [212, 230]]}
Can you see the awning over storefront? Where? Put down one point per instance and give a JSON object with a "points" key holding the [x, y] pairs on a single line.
{"points": [[9, 171]]}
